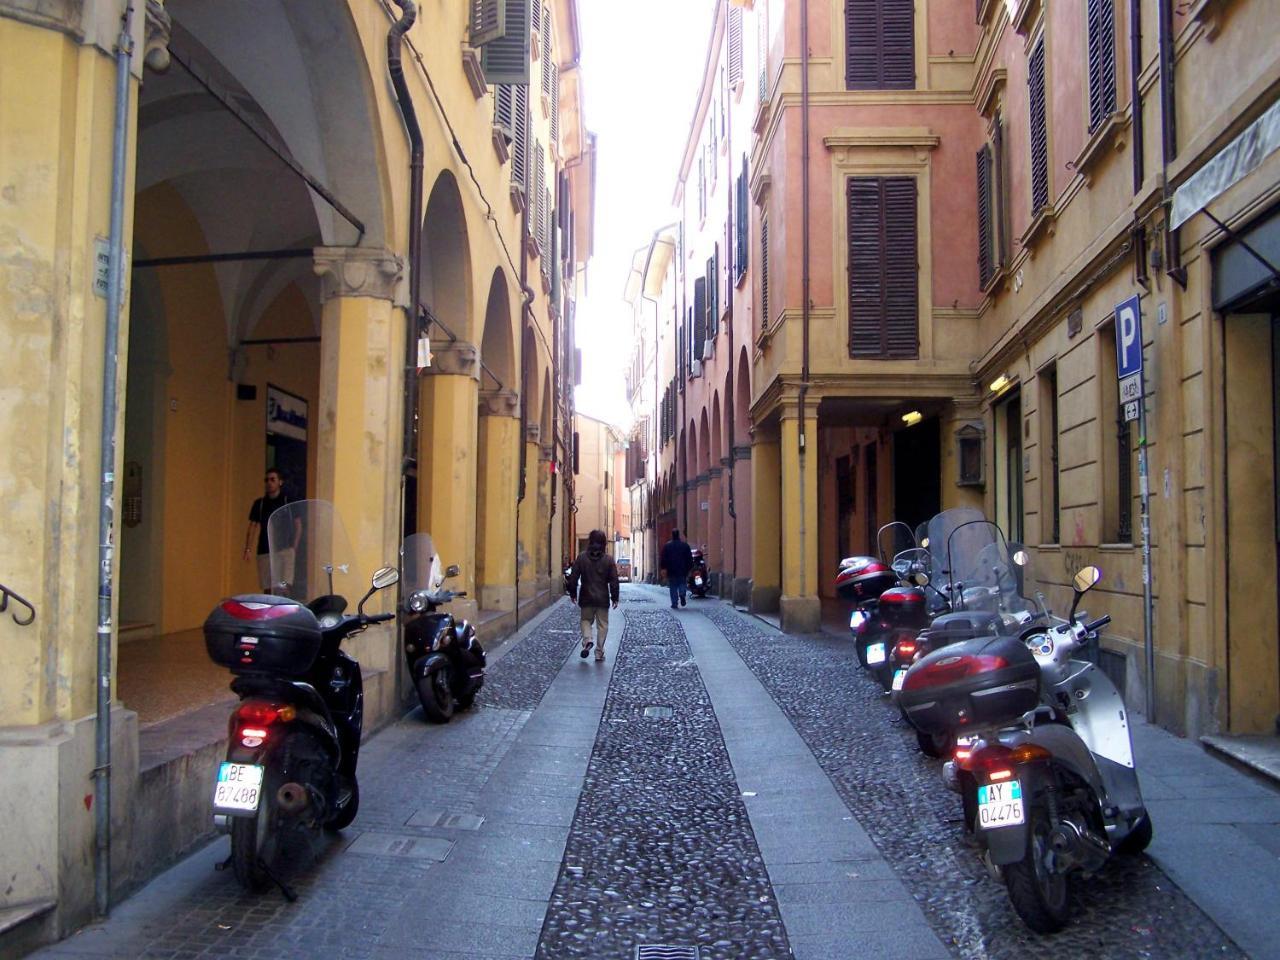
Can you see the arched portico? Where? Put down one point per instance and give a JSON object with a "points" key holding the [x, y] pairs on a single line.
{"points": [[499, 453], [716, 513]]}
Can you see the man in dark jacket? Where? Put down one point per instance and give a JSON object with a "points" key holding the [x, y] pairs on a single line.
{"points": [[675, 563], [593, 582]]}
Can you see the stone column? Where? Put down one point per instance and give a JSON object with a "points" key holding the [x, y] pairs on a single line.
{"points": [[528, 530], [740, 465], [766, 519], [497, 470], [546, 454], [801, 609], [715, 525], [448, 425], [361, 412]]}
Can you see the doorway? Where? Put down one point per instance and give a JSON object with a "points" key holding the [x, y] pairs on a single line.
{"points": [[917, 472]]}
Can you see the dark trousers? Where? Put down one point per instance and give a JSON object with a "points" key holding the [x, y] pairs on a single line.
{"points": [[679, 589]]}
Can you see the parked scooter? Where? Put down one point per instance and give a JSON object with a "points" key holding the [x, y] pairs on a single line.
{"points": [[445, 659], [698, 580], [1049, 784], [294, 739]]}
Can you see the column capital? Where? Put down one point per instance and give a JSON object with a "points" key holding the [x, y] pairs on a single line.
{"points": [[360, 272], [742, 452], [155, 44], [499, 403], [532, 432], [455, 358], [715, 472], [546, 452]]}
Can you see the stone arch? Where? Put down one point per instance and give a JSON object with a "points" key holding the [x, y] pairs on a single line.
{"points": [[704, 443], [717, 433], [742, 398], [497, 346], [446, 258]]}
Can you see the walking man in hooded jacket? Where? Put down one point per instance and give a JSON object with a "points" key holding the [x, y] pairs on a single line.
{"points": [[675, 563], [593, 582]]}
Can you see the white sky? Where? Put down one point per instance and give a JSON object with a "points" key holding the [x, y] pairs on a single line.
{"points": [[641, 64]]}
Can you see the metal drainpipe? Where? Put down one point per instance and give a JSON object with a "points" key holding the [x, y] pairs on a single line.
{"points": [[1169, 136], [408, 451], [1135, 91], [804, 256], [106, 516]]}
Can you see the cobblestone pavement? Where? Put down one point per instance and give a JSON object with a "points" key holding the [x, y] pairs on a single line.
{"points": [[1131, 909], [661, 849]]}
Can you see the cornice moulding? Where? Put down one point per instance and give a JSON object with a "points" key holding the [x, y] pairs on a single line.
{"points": [[882, 137]]}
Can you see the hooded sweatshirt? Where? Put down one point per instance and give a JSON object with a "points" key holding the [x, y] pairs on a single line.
{"points": [[593, 581]]}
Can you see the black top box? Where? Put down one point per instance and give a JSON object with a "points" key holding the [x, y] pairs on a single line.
{"points": [[260, 634], [986, 682]]}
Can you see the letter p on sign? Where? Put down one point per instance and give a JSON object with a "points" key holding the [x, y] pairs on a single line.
{"points": [[1128, 338]]}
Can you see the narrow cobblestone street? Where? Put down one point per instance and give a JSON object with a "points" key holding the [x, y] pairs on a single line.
{"points": [[711, 784]]}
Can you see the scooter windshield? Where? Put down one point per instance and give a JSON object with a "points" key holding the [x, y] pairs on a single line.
{"points": [[311, 555], [421, 568], [939, 531], [983, 572]]}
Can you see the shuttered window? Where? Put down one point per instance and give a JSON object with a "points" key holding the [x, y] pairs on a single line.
{"points": [[546, 54], [1102, 61], [505, 58], [537, 223], [520, 140], [883, 267], [1039, 132], [488, 21], [535, 15], [555, 107], [764, 271], [698, 327], [740, 225], [762, 47], [880, 44], [986, 251], [712, 325], [735, 46], [504, 108], [1000, 191]]}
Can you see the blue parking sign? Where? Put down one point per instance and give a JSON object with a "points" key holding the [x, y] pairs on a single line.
{"points": [[1128, 338]]}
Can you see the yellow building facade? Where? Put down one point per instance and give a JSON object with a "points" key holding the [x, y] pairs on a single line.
{"points": [[267, 321]]}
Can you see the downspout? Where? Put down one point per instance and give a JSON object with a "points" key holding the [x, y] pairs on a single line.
{"points": [[1135, 112], [804, 258], [106, 516], [1169, 138], [409, 431]]}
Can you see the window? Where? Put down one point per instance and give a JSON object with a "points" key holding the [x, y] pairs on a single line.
{"points": [[547, 65], [764, 271], [762, 47], [504, 53], [1116, 444], [1010, 506], [520, 141], [880, 47], [702, 188], [735, 47], [1102, 61], [986, 245], [1039, 132], [740, 225], [883, 267], [700, 311], [1050, 502], [1000, 190], [712, 326]]}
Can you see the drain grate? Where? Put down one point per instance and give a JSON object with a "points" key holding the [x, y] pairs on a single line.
{"points": [[446, 820], [665, 951], [661, 713]]}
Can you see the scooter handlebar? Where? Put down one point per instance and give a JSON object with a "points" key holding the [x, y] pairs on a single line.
{"points": [[1098, 624], [378, 617]]}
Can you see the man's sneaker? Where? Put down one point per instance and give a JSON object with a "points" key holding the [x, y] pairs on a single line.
{"points": [[682, 601], [584, 651], [599, 656], [675, 606]]}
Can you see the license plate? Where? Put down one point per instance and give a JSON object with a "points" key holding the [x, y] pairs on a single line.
{"points": [[698, 581], [239, 787], [898, 677], [875, 653], [857, 618], [1000, 805]]}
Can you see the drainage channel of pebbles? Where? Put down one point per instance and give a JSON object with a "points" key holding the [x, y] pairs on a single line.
{"points": [[519, 680], [661, 849], [1130, 909]]}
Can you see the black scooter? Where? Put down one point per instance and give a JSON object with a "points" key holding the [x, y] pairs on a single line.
{"points": [[697, 580], [445, 659], [294, 739]]}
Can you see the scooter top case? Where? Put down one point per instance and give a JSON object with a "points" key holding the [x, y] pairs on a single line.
{"points": [[987, 682], [262, 634], [863, 578], [903, 607]]}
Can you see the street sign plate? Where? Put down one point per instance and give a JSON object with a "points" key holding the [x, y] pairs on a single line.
{"points": [[1131, 388], [1131, 411], [1128, 338]]}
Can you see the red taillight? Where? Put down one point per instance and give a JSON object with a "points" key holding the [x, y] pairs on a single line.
{"points": [[951, 669], [252, 610], [248, 733], [257, 713], [905, 648], [963, 754]]}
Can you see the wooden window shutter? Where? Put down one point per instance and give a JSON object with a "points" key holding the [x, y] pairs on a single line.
{"points": [[699, 316], [547, 66], [544, 222], [743, 212], [762, 47], [488, 21], [505, 59], [1102, 61], [1000, 191], [504, 108], [535, 17], [1039, 132], [735, 46], [520, 141], [883, 267], [555, 107], [880, 44], [986, 266], [709, 318], [764, 271], [539, 185]]}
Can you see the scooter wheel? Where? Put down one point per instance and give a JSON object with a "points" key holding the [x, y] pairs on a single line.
{"points": [[1040, 896], [436, 696], [1139, 838], [465, 701], [347, 813], [936, 745], [254, 840]]}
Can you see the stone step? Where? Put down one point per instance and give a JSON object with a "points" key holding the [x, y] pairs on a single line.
{"points": [[26, 926], [1258, 754]]}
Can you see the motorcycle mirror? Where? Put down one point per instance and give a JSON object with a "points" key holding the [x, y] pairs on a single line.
{"points": [[384, 577], [1021, 558], [924, 542], [919, 578], [452, 571], [1086, 578]]}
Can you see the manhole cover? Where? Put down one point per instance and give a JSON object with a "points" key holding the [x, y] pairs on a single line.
{"points": [[392, 845], [447, 820], [662, 951], [637, 600], [662, 713]]}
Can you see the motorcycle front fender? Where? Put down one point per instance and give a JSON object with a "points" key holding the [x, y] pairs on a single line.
{"points": [[425, 666], [427, 633]]}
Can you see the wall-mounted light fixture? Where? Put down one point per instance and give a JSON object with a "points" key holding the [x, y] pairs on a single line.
{"points": [[999, 383], [912, 418]]}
